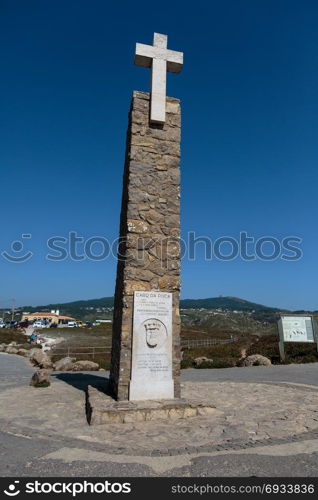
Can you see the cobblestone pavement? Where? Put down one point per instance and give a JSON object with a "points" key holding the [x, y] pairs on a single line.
{"points": [[258, 420]]}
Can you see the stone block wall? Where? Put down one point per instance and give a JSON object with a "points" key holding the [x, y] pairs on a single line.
{"points": [[149, 253]]}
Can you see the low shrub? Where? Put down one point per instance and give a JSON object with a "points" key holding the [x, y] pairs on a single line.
{"points": [[105, 364], [45, 383], [187, 363], [295, 352], [218, 363], [223, 355], [221, 351]]}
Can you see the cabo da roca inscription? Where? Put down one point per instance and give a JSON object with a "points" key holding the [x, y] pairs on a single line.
{"points": [[152, 347]]}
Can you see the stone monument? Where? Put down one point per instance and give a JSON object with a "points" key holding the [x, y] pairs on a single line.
{"points": [[145, 366], [146, 326]]}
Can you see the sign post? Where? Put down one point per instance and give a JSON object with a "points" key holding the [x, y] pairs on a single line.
{"points": [[296, 329]]}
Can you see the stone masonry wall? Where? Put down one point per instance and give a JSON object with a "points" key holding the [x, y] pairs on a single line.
{"points": [[148, 257]]}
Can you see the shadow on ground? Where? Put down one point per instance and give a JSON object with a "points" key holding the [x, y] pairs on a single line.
{"points": [[82, 380]]}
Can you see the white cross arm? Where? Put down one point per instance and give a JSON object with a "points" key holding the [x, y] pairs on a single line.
{"points": [[160, 60], [145, 54]]}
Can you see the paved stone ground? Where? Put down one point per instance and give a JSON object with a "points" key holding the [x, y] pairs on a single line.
{"points": [[263, 414], [296, 374]]}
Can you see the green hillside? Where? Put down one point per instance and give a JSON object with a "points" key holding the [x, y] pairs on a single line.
{"points": [[228, 303], [88, 309], [79, 309]]}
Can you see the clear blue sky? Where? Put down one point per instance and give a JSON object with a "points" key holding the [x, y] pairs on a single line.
{"points": [[249, 137]]}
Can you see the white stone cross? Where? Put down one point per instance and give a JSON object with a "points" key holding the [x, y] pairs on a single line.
{"points": [[160, 60]]}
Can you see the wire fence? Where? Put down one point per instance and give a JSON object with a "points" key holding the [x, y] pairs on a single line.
{"points": [[188, 343], [94, 351], [71, 351]]}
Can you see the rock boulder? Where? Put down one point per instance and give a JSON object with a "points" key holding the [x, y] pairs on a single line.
{"points": [[256, 360], [64, 364], [40, 359], [23, 352], [41, 378], [202, 359], [85, 366], [11, 350]]}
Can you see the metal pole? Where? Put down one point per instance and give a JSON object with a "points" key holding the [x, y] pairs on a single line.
{"points": [[281, 350], [314, 328], [12, 314], [281, 345]]}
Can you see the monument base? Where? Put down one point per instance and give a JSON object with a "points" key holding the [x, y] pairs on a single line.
{"points": [[103, 409], [139, 391]]}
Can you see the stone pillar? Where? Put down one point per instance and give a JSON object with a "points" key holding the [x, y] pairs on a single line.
{"points": [[149, 253]]}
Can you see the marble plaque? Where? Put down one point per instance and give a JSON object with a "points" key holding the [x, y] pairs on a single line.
{"points": [[296, 329], [151, 371]]}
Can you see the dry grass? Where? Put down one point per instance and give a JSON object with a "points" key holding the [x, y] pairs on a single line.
{"points": [[223, 355], [96, 336], [8, 335], [79, 340]]}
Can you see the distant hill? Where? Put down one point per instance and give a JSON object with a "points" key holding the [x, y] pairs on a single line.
{"points": [[81, 308], [228, 303], [103, 302]]}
